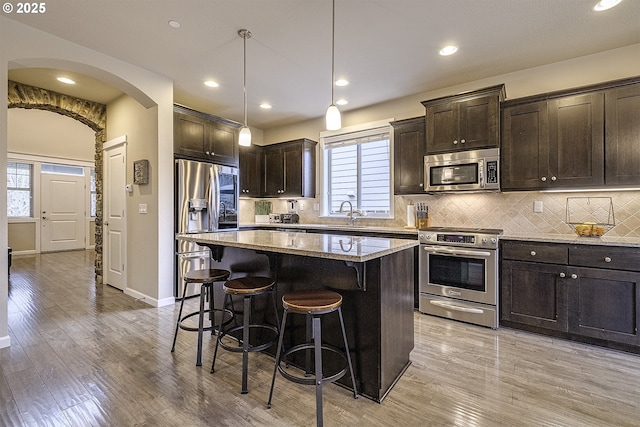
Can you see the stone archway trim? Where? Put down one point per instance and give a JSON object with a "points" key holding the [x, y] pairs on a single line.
{"points": [[89, 113]]}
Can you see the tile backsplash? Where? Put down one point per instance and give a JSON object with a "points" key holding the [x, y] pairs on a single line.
{"points": [[512, 212]]}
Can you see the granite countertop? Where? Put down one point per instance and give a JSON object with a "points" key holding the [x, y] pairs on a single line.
{"points": [[337, 227], [329, 246], [574, 239]]}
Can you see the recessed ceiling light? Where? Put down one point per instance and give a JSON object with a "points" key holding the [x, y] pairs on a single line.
{"points": [[605, 4], [448, 50], [66, 80], [174, 24], [342, 82], [265, 106], [211, 83], [342, 102]]}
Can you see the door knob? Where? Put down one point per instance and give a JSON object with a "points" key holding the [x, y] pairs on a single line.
{"points": [[106, 223]]}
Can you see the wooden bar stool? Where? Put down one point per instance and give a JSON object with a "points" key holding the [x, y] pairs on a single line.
{"points": [[206, 278], [313, 304], [248, 288]]}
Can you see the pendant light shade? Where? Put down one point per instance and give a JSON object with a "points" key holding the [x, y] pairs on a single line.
{"points": [[244, 138], [332, 118]]}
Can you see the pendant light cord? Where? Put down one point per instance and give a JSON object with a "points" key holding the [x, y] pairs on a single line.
{"points": [[333, 44], [245, 34]]}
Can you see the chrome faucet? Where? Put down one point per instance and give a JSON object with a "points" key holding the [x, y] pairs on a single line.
{"points": [[351, 212]]}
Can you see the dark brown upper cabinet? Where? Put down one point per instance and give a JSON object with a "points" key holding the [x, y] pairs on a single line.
{"points": [[250, 170], [580, 138], [622, 136], [467, 121], [204, 137], [289, 169], [409, 149], [553, 144]]}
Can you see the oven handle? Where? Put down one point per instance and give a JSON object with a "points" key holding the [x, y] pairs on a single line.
{"points": [[446, 304], [444, 251]]}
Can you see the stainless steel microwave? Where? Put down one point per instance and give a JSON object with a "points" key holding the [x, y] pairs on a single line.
{"points": [[474, 170]]}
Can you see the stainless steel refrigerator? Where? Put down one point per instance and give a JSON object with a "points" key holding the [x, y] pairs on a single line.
{"points": [[206, 201]]}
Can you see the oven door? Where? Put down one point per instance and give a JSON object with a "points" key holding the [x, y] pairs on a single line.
{"points": [[460, 273]]}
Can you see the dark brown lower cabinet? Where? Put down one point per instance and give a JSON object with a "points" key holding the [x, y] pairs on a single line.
{"points": [[568, 299], [604, 304], [532, 294]]}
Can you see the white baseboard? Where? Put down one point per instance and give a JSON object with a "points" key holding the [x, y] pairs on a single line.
{"points": [[147, 299], [25, 252], [5, 341]]}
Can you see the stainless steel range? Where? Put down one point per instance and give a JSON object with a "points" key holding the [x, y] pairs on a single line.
{"points": [[458, 270]]}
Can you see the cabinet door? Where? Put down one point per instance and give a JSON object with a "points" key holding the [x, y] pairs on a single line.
{"points": [[605, 304], [273, 176], [576, 141], [524, 146], [409, 149], [442, 128], [622, 127], [479, 123], [293, 180], [190, 135], [222, 145], [250, 171], [533, 294]]}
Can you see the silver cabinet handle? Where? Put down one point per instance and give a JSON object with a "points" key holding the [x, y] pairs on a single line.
{"points": [[574, 276], [607, 259], [553, 178], [562, 275], [462, 141], [455, 142], [543, 179], [533, 253]]}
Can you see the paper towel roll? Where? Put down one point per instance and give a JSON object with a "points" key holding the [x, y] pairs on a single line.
{"points": [[411, 215]]}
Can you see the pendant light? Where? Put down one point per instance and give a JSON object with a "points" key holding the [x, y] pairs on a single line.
{"points": [[244, 138], [332, 118]]}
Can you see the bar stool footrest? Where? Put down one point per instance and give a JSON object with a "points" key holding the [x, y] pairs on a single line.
{"points": [[258, 347], [213, 323], [311, 380]]}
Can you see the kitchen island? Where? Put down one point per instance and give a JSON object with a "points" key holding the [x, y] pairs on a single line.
{"points": [[373, 275]]}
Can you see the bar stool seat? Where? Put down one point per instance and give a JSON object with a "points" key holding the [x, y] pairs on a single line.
{"points": [[247, 287], [206, 278], [313, 304]]}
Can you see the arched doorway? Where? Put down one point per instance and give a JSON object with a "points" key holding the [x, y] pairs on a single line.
{"points": [[89, 113]]}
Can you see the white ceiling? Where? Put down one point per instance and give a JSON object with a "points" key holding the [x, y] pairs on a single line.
{"points": [[386, 48]]}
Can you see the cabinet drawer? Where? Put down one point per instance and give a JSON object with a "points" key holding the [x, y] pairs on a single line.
{"points": [[535, 252], [610, 257]]}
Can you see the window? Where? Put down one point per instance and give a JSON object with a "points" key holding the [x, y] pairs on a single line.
{"points": [[19, 189], [62, 169], [93, 192], [357, 168]]}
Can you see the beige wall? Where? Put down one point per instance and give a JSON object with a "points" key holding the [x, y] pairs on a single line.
{"points": [[127, 117], [22, 236], [54, 135]]}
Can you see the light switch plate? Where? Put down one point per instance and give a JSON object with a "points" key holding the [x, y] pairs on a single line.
{"points": [[537, 206], [142, 208]]}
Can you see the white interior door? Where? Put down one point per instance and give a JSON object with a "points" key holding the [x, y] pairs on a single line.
{"points": [[62, 205], [114, 224]]}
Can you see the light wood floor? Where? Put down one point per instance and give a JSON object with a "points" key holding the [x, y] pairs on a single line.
{"points": [[87, 355]]}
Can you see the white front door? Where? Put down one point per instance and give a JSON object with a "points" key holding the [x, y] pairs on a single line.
{"points": [[114, 205], [62, 203]]}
